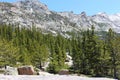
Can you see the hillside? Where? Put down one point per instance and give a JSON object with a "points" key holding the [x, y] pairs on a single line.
{"points": [[28, 13], [76, 43]]}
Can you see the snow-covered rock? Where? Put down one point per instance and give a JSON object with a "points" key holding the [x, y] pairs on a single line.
{"points": [[11, 71]]}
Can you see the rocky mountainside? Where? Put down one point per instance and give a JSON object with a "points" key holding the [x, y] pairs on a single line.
{"points": [[27, 13]]}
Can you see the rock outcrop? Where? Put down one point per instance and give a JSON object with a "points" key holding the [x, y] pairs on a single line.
{"points": [[27, 13]]}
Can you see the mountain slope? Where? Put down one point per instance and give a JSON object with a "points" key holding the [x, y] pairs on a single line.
{"points": [[27, 13]]}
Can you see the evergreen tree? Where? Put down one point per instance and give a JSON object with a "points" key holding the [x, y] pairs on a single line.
{"points": [[40, 55], [91, 52], [113, 48], [9, 54]]}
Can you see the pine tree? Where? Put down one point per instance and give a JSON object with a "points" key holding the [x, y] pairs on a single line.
{"points": [[113, 48], [8, 53], [40, 55], [91, 52]]}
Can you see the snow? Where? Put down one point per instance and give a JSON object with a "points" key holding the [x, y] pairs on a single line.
{"points": [[48, 77]]}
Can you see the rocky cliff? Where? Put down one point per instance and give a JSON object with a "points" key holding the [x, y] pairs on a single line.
{"points": [[27, 13]]}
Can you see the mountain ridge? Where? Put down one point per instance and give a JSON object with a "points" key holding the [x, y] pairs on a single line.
{"points": [[27, 13]]}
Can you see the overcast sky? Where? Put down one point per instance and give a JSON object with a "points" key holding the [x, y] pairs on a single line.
{"points": [[91, 7]]}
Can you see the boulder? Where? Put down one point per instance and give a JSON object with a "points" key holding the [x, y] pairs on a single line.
{"points": [[64, 72], [26, 70], [10, 71]]}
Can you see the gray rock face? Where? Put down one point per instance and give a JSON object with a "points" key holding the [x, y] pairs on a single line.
{"points": [[27, 13], [101, 21]]}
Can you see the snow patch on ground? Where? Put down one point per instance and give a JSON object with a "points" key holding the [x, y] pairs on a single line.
{"points": [[48, 77]]}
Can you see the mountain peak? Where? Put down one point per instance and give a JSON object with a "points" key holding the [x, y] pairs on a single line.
{"points": [[102, 14], [30, 0], [29, 12], [32, 4], [83, 13]]}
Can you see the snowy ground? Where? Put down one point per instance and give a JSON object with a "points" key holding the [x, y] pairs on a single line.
{"points": [[48, 77]]}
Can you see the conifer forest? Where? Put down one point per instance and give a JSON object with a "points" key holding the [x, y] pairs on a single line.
{"points": [[91, 53]]}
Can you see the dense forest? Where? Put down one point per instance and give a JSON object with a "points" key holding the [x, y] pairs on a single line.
{"points": [[92, 54]]}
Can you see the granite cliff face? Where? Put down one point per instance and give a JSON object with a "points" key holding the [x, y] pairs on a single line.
{"points": [[27, 13], [101, 21]]}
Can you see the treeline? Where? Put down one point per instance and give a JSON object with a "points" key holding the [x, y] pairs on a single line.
{"points": [[91, 54]]}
